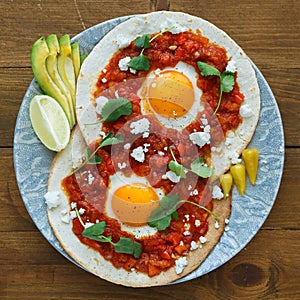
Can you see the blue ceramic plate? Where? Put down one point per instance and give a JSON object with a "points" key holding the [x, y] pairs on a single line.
{"points": [[32, 163]]}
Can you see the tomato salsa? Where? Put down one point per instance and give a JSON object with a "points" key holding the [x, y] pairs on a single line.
{"points": [[160, 250]]}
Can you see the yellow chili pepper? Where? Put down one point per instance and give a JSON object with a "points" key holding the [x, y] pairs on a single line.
{"points": [[250, 157], [226, 183], [238, 172]]}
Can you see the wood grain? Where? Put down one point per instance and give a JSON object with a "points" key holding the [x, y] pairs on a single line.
{"points": [[268, 268]]}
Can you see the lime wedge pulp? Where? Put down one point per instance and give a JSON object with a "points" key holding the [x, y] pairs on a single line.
{"points": [[49, 122]]}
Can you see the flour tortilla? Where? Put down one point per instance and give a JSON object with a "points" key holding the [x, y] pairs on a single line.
{"points": [[90, 259], [126, 32]]}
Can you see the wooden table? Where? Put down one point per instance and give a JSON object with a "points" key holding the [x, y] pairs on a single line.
{"points": [[268, 268]]}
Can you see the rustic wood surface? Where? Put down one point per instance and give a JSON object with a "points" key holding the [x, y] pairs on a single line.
{"points": [[268, 268]]}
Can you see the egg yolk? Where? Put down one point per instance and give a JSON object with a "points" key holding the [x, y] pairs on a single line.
{"points": [[171, 94], [133, 203]]}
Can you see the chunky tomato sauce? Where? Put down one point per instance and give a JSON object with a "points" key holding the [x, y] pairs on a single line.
{"points": [[160, 250]]}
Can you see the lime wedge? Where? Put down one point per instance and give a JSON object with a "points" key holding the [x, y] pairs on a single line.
{"points": [[49, 122]]}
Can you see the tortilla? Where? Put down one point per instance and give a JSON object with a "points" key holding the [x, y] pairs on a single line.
{"points": [[90, 259], [126, 32]]}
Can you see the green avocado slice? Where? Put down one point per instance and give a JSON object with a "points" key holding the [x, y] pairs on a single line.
{"points": [[51, 64], [38, 57], [76, 58], [65, 65]]}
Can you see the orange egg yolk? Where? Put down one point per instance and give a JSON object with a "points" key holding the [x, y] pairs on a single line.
{"points": [[133, 203], [171, 94]]}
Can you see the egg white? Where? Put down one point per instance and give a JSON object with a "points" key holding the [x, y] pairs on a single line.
{"points": [[177, 123], [118, 180]]}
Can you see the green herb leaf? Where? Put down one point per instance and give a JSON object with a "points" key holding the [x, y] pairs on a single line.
{"points": [[115, 108], [111, 140], [94, 231], [207, 70], [227, 81], [177, 168], [197, 167], [127, 246], [95, 160], [161, 217], [143, 41], [140, 62]]}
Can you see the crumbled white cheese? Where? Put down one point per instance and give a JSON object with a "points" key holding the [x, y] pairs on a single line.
{"points": [[197, 223], [127, 146], [226, 221], [187, 226], [138, 154], [160, 153], [88, 224], [226, 228], [200, 138], [123, 64], [233, 156], [73, 205], [195, 192], [81, 210], [180, 263], [90, 178], [207, 129], [122, 166], [52, 199], [73, 214], [246, 111], [231, 66], [146, 146], [217, 225], [100, 102], [172, 176], [217, 193], [146, 134], [185, 233], [65, 219], [140, 126], [122, 42], [104, 80], [202, 239], [187, 217], [181, 243], [194, 245], [189, 187], [104, 71], [204, 121]]}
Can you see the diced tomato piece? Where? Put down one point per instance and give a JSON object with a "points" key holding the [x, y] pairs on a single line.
{"points": [[153, 270]]}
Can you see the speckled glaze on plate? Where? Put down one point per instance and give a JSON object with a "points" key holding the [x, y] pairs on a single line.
{"points": [[32, 164]]}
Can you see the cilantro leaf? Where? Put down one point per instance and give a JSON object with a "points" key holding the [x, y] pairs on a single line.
{"points": [[94, 231], [197, 167], [111, 140], [115, 108], [227, 81], [127, 246], [95, 160], [143, 41], [140, 62], [177, 168], [207, 70], [161, 217]]}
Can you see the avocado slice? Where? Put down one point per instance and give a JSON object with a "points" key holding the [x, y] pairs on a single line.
{"points": [[65, 65], [51, 64], [76, 58], [38, 57]]}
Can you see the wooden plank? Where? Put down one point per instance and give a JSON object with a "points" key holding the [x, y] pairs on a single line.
{"points": [[264, 270]]}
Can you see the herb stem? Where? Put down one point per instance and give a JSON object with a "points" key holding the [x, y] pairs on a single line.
{"points": [[79, 217], [219, 101], [161, 33], [200, 206]]}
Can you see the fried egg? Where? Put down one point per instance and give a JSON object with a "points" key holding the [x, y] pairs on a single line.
{"points": [[131, 200], [172, 95]]}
